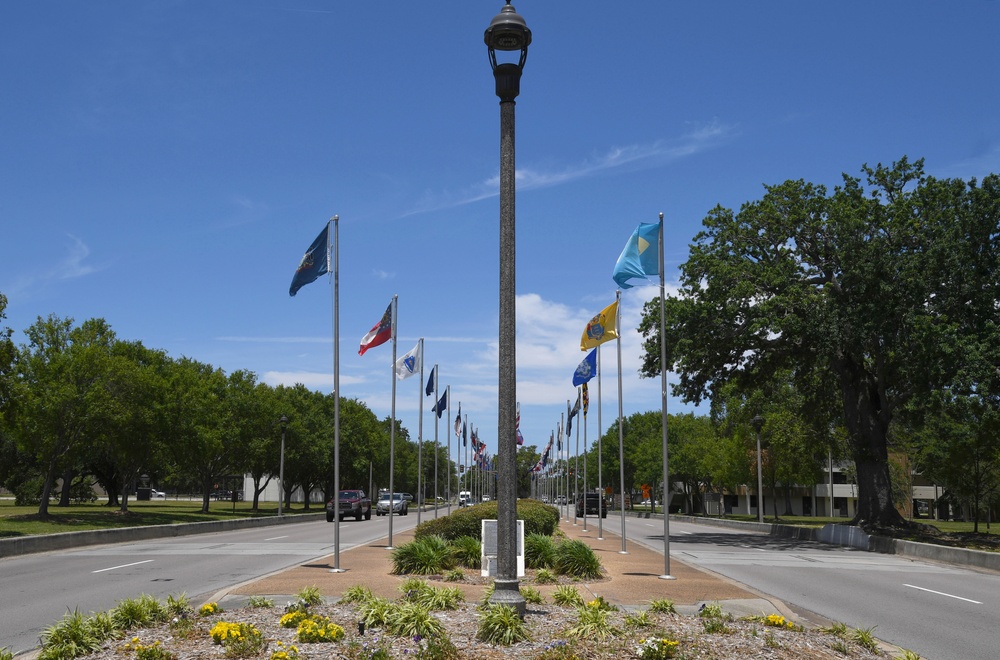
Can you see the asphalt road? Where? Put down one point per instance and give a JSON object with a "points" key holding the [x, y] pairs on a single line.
{"points": [[939, 611], [37, 590]]}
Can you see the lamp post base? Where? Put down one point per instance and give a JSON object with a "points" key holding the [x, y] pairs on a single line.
{"points": [[508, 594]]}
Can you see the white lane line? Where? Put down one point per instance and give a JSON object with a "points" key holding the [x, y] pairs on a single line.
{"points": [[688, 533], [941, 593], [123, 566], [275, 538]]}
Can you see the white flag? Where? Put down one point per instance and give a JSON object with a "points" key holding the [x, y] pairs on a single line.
{"points": [[409, 364]]}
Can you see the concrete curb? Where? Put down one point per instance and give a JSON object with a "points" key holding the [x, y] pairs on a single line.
{"points": [[855, 537], [64, 540]]}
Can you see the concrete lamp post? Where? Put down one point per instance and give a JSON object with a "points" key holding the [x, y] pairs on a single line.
{"points": [[507, 33], [758, 424]]}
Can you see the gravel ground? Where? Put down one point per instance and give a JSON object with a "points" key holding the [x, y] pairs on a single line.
{"points": [[547, 625]]}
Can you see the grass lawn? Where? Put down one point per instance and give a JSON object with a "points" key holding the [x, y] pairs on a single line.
{"points": [[18, 521]]}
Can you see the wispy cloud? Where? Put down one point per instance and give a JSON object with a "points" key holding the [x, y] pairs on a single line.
{"points": [[700, 138], [74, 265], [312, 379]]}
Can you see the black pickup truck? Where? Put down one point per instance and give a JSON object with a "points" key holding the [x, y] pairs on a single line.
{"points": [[352, 503]]}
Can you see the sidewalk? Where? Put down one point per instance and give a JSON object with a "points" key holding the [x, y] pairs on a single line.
{"points": [[633, 579]]}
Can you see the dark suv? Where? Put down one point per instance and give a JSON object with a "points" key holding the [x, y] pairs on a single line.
{"points": [[593, 502], [352, 503]]}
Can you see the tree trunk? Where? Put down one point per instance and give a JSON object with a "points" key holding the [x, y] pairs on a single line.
{"points": [[67, 481], [867, 419]]}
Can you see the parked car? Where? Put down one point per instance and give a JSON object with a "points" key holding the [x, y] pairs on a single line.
{"points": [[352, 503], [396, 505], [157, 494], [594, 502], [407, 497]]}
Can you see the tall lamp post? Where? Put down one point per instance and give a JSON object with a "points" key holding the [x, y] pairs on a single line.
{"points": [[507, 32], [758, 424], [281, 466]]}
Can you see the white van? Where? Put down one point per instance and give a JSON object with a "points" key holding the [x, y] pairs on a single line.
{"points": [[464, 498]]}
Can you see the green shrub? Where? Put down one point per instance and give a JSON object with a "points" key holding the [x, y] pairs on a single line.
{"points": [[376, 612], [577, 559], [539, 551], [501, 625], [310, 596], [566, 594], [538, 519], [593, 623], [531, 595], [425, 556], [455, 575], [138, 612], [70, 637], [662, 606], [467, 551], [359, 593], [260, 601], [410, 619], [545, 576], [178, 605], [6, 654]]}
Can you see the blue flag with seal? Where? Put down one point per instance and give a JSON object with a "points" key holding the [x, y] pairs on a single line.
{"points": [[315, 262], [441, 405], [587, 369], [641, 256]]}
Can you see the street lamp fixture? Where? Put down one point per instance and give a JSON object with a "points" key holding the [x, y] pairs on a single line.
{"points": [[758, 424], [507, 33], [281, 466]]}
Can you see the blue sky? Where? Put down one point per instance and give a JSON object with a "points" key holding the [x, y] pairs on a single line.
{"points": [[164, 165]]}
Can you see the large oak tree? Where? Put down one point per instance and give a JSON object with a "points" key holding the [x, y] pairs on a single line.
{"points": [[871, 290]]}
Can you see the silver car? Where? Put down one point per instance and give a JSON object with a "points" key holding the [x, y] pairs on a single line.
{"points": [[397, 505]]}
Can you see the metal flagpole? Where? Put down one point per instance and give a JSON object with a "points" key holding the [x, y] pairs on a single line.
{"points": [[392, 426], [576, 469], [336, 391], [600, 451], [447, 488], [586, 451], [621, 431], [420, 433], [569, 420], [666, 455], [437, 418], [565, 479]]}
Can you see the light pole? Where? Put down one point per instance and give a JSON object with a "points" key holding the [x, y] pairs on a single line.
{"points": [[507, 32], [281, 466], [758, 424]]}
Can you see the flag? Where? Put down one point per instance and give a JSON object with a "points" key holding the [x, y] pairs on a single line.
{"points": [[429, 390], [586, 369], [517, 426], [465, 435], [380, 333], [603, 327], [641, 256], [458, 422], [315, 262], [586, 400], [440, 406], [409, 364], [559, 442], [571, 414]]}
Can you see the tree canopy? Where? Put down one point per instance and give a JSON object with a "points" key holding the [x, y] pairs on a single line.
{"points": [[870, 292]]}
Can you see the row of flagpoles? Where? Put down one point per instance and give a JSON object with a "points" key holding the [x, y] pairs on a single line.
{"points": [[639, 259]]}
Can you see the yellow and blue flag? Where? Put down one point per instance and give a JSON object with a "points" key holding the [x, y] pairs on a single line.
{"points": [[641, 256], [603, 327]]}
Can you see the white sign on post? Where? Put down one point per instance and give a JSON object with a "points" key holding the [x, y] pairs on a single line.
{"points": [[489, 548]]}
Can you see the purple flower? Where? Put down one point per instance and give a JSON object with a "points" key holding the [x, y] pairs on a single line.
{"points": [[417, 638]]}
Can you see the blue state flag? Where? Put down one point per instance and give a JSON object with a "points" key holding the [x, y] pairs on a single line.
{"points": [[641, 256], [587, 369], [441, 405], [314, 262], [429, 390]]}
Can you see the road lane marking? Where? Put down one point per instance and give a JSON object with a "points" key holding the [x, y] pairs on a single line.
{"points": [[275, 538], [941, 593], [136, 563]]}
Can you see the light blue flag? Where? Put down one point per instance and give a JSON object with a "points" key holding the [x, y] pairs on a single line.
{"points": [[586, 370], [641, 256]]}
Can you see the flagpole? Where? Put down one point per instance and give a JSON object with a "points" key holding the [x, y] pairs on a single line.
{"points": [[576, 467], [621, 431], [420, 432], [447, 488], [569, 417], [392, 424], [663, 386], [336, 391], [437, 419], [600, 451], [585, 451]]}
